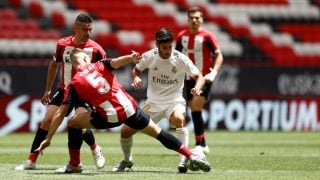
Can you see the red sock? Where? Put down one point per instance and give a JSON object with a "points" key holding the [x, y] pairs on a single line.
{"points": [[93, 146], [184, 150], [33, 157], [74, 157], [199, 138]]}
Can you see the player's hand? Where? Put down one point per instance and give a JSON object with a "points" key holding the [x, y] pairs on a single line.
{"points": [[137, 83], [135, 56], [44, 144], [46, 98], [211, 76], [196, 91]]}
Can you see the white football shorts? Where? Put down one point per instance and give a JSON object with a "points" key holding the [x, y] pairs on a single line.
{"points": [[159, 111]]}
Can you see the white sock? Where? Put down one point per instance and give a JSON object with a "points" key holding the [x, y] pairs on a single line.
{"points": [[183, 136], [126, 145]]}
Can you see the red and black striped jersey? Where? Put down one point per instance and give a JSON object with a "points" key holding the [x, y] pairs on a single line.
{"points": [[62, 54], [98, 86], [199, 47]]}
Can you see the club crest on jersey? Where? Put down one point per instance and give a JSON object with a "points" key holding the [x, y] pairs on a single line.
{"points": [[174, 69], [67, 58], [155, 68]]}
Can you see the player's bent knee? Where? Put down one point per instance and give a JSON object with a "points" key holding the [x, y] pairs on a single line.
{"points": [[127, 132], [196, 106], [179, 122]]}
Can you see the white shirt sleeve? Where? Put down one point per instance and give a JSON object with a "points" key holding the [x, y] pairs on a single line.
{"points": [[144, 61]]}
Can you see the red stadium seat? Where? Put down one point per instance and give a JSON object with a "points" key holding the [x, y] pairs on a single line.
{"points": [[239, 31], [35, 9], [57, 20], [304, 32], [15, 3], [31, 25], [8, 14], [109, 40]]}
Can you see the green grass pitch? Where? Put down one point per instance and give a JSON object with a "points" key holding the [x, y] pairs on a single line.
{"points": [[233, 155]]}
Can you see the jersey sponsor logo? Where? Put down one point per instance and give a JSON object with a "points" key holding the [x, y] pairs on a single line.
{"points": [[67, 58], [164, 80]]}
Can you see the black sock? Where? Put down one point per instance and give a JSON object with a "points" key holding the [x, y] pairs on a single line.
{"points": [[40, 136], [169, 141], [198, 123], [88, 137], [198, 127], [74, 138]]}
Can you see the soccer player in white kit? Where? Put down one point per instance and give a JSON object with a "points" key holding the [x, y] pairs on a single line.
{"points": [[167, 69]]}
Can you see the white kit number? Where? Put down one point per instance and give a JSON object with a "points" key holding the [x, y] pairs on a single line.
{"points": [[98, 82]]}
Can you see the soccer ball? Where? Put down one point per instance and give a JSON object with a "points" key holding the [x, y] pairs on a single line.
{"points": [[200, 155]]}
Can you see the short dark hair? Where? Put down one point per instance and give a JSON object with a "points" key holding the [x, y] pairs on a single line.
{"points": [[84, 18], [164, 35], [194, 9]]}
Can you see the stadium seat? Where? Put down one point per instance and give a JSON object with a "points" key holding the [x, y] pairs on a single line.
{"points": [[107, 40], [57, 20], [31, 25], [8, 14], [15, 3], [36, 9], [245, 28]]}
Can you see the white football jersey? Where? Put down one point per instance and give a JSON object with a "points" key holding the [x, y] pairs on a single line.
{"points": [[166, 76]]}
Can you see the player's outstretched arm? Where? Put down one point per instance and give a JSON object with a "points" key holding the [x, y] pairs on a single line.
{"points": [[56, 121], [124, 60]]}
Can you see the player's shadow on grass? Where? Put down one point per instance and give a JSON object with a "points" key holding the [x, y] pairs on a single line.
{"points": [[137, 171], [92, 171], [58, 174], [50, 171]]}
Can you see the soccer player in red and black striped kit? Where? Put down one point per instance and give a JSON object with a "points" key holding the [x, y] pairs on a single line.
{"points": [[80, 39], [202, 48]]}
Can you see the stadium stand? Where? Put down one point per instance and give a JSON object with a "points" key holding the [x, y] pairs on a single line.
{"points": [[250, 32], [23, 38]]}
